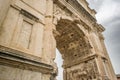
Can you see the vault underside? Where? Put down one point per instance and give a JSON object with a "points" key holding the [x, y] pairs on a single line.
{"points": [[71, 42]]}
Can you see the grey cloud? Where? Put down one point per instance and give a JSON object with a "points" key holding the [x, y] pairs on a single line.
{"points": [[113, 51], [106, 9], [109, 16], [112, 35], [95, 4], [112, 19], [115, 20], [116, 0]]}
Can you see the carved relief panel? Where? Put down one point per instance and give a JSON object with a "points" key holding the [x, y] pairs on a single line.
{"points": [[84, 71]]}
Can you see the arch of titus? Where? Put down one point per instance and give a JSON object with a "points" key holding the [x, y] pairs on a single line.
{"points": [[31, 30]]}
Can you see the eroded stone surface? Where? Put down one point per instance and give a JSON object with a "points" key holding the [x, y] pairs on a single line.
{"points": [[31, 30]]}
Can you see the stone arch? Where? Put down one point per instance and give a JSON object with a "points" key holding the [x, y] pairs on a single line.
{"points": [[72, 42], [27, 44]]}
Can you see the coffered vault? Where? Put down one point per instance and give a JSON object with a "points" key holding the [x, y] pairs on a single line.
{"points": [[30, 31]]}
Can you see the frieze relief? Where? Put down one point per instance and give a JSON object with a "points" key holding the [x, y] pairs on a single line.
{"points": [[84, 71]]}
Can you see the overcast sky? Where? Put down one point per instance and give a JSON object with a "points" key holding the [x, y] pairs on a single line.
{"points": [[108, 14]]}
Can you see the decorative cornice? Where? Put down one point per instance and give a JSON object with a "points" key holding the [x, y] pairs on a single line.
{"points": [[74, 13], [27, 14], [77, 7], [59, 13], [14, 58], [81, 10], [99, 27], [88, 8]]}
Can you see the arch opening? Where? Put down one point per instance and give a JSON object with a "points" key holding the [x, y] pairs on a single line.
{"points": [[59, 62], [71, 42], [73, 46]]}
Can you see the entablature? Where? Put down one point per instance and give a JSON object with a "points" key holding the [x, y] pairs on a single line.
{"points": [[18, 59], [99, 27], [75, 12], [85, 4], [75, 6]]}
